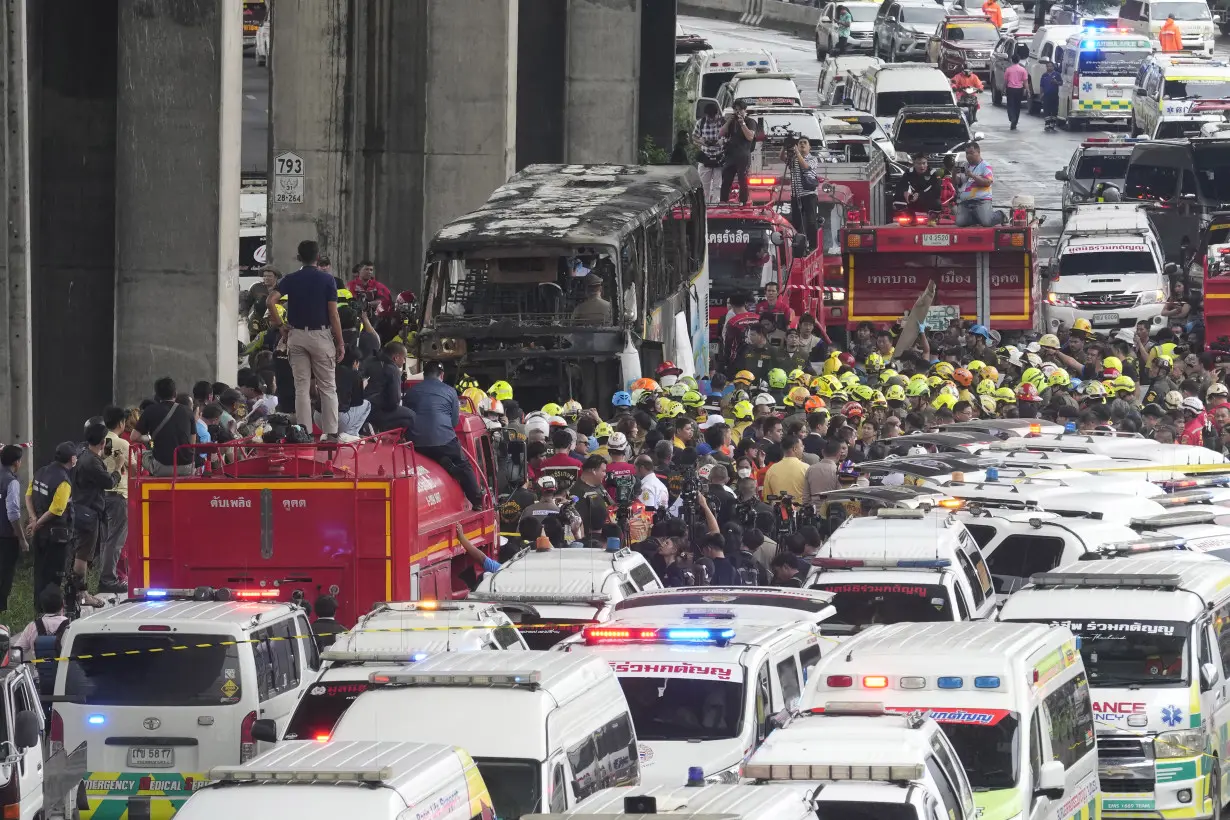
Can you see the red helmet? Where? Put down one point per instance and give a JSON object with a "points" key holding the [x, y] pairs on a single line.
{"points": [[668, 368], [406, 297], [852, 410], [1028, 392], [847, 360]]}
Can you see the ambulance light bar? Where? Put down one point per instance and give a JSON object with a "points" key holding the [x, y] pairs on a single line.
{"points": [[1149, 544], [606, 634], [1174, 518], [906, 682], [528, 680], [312, 775], [1183, 498], [541, 598], [724, 614], [874, 563], [890, 773], [900, 512], [422, 606], [371, 656], [1045, 580], [202, 594], [1191, 483]]}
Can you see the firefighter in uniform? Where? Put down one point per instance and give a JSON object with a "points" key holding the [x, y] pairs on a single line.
{"points": [[49, 503]]}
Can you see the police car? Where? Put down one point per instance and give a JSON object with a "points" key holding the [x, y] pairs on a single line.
{"points": [[891, 764]]}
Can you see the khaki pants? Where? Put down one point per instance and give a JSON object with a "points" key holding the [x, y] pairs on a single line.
{"points": [[313, 355]]}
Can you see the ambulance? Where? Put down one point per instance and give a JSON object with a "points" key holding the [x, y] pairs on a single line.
{"points": [[1170, 84], [1098, 69], [895, 765], [1013, 700], [697, 802], [703, 689], [1155, 640]]}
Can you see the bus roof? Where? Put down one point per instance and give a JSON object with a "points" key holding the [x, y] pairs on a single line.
{"points": [[568, 205]]}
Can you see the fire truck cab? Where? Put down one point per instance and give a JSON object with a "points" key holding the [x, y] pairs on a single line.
{"points": [[366, 522], [1217, 279], [990, 275]]}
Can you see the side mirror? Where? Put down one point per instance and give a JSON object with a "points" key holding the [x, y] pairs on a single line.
{"points": [[1208, 676], [265, 731], [16, 656], [1062, 175], [776, 238], [1171, 269], [778, 720], [27, 729], [1050, 781], [702, 103], [978, 135]]}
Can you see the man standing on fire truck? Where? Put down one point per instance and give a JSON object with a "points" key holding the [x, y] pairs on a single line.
{"points": [[434, 428]]}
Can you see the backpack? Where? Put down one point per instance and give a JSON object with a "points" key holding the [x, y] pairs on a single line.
{"points": [[46, 646], [750, 573]]}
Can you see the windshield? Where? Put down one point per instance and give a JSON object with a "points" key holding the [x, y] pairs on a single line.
{"points": [[889, 103], [1196, 89], [320, 709], [687, 709], [783, 91], [512, 784], [777, 128], [742, 258], [933, 130], [1105, 262], [712, 81], [1112, 63], [153, 675], [867, 123], [1093, 166], [1213, 171], [1152, 182], [861, 604], [972, 33], [863, 12], [1132, 653], [543, 633], [1181, 11], [850, 810], [1178, 129], [1219, 234], [991, 753], [922, 15]]}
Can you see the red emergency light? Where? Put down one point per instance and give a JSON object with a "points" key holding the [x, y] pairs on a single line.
{"points": [[762, 181], [854, 216], [251, 594], [1010, 240]]}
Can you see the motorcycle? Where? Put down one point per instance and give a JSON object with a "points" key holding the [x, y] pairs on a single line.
{"points": [[967, 101]]}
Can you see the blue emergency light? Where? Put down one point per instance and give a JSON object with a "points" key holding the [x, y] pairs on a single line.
{"points": [[418, 656], [96, 720], [986, 682], [949, 682], [155, 593], [928, 563], [698, 635]]}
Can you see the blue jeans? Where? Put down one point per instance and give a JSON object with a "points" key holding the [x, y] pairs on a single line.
{"points": [[973, 212]]}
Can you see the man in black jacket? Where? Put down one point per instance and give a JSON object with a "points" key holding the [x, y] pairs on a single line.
{"points": [[91, 480], [326, 627], [383, 389], [919, 188]]}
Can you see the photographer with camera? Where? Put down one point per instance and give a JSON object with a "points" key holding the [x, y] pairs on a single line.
{"points": [[739, 132], [115, 512], [91, 480], [804, 174]]}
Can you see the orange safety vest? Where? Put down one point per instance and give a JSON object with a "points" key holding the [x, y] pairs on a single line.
{"points": [[1170, 37], [993, 13]]}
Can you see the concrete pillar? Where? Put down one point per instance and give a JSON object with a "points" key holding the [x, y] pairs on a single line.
{"points": [[177, 192], [310, 57], [16, 350], [657, 97], [72, 51], [542, 65], [603, 85]]}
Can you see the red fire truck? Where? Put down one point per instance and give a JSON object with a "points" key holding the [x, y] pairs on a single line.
{"points": [[367, 522], [990, 275], [1216, 243]]}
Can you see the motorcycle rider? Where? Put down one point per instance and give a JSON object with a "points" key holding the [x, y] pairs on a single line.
{"points": [[967, 79], [919, 188]]}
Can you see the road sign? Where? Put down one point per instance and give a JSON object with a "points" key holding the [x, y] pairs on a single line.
{"points": [[288, 179]]}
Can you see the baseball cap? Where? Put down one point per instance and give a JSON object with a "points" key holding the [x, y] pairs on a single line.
{"points": [[617, 441], [65, 450], [704, 470], [712, 419], [546, 482]]}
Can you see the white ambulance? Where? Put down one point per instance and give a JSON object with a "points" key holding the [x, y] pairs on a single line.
{"points": [[1170, 84], [1098, 70], [1013, 700], [894, 765], [703, 690], [1155, 639], [704, 802]]}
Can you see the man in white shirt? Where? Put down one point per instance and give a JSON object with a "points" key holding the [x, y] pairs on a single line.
{"points": [[654, 494]]}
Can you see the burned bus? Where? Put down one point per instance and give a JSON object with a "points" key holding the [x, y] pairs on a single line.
{"points": [[572, 281]]}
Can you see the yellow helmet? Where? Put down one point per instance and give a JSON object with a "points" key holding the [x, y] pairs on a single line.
{"points": [[693, 399], [887, 376], [1060, 378], [742, 410], [848, 379], [985, 387], [1112, 363], [987, 404], [934, 381], [744, 378], [674, 410], [943, 369], [777, 379], [551, 409], [918, 377], [878, 400], [1032, 375], [832, 364], [1164, 361], [832, 383], [798, 376], [464, 381], [1083, 326], [572, 407], [1166, 349], [918, 388], [501, 390], [797, 397], [474, 396], [676, 390], [895, 392], [1124, 384], [943, 400], [344, 295], [1049, 340], [949, 389], [603, 430], [862, 392], [965, 395], [991, 373], [975, 366], [874, 363], [690, 381], [1004, 395]]}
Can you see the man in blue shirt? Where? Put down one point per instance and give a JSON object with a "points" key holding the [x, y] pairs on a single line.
{"points": [[434, 428], [313, 333]]}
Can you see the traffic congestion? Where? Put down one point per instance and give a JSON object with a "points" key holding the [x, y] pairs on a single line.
{"points": [[843, 466]]}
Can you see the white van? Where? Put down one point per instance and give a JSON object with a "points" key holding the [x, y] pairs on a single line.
{"points": [[1118, 446], [153, 720], [882, 90], [837, 76], [21, 738], [1195, 20], [1171, 84], [547, 729], [1047, 45], [742, 802], [1098, 70], [1013, 700], [903, 565], [702, 689], [323, 781], [1109, 268], [708, 70], [762, 605], [894, 765], [1154, 641], [551, 594]]}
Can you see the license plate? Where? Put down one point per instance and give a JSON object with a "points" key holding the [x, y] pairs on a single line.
{"points": [[1106, 318], [1114, 92], [151, 757], [977, 64], [936, 240]]}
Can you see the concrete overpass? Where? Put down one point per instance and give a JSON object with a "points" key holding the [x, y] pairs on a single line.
{"points": [[122, 160]]}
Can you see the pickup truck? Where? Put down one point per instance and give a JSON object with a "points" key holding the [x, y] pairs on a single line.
{"points": [[934, 130]]}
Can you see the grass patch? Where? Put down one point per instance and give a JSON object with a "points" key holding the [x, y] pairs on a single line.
{"points": [[21, 599]]}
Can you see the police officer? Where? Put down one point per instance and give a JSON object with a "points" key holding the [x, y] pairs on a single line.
{"points": [[49, 503]]}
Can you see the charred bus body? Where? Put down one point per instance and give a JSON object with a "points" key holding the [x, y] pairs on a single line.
{"points": [[512, 289]]}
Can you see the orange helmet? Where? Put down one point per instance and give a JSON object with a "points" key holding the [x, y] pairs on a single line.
{"points": [[645, 384], [852, 410], [963, 377], [813, 404]]}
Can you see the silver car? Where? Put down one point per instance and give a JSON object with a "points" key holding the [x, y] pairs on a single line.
{"points": [[864, 14], [903, 27]]}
